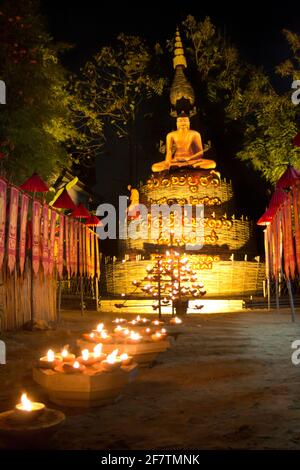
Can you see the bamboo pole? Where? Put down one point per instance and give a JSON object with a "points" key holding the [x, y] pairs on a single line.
{"points": [[59, 302], [277, 294], [268, 293], [288, 283], [97, 292], [81, 295]]}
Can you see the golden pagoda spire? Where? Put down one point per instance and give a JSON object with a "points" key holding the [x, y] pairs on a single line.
{"points": [[179, 58], [182, 95]]}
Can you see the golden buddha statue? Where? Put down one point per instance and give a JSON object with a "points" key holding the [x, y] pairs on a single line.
{"points": [[184, 148]]}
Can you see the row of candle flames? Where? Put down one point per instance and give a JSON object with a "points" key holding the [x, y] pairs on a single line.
{"points": [[69, 363]]}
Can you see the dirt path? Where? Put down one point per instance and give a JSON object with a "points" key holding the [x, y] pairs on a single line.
{"points": [[228, 382]]}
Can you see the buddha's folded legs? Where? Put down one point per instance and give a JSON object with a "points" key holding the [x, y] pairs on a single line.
{"points": [[205, 164], [160, 166]]}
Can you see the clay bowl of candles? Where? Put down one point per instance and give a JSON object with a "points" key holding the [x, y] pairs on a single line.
{"points": [[175, 321], [86, 358], [70, 368], [91, 337], [125, 359], [159, 335], [133, 337], [112, 362], [66, 356], [157, 323], [50, 361], [119, 321], [27, 410]]}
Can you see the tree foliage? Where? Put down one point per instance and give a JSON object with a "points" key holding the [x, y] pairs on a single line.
{"points": [[37, 122], [113, 85], [267, 119]]}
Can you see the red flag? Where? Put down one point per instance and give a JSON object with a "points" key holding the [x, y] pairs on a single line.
{"points": [[296, 205], [12, 228], [92, 234], [67, 240], [3, 187], [288, 242], [76, 235], [45, 239], [36, 224], [80, 253], [60, 250], [88, 252], [23, 228], [52, 240], [84, 254]]}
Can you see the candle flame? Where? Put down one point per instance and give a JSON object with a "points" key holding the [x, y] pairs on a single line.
{"points": [[50, 356], [135, 336], [118, 328], [103, 335], [85, 354], [76, 365], [138, 318], [98, 350], [100, 327], [111, 358], [92, 335], [124, 357], [27, 404], [64, 352]]}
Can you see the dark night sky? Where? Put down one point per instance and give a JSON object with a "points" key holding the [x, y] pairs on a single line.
{"points": [[254, 27]]}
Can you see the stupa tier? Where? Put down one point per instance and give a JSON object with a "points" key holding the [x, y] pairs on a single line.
{"points": [[224, 233]]}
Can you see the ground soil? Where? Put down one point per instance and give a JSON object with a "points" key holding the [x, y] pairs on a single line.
{"points": [[227, 382]]}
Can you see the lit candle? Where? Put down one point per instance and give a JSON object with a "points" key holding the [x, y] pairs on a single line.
{"points": [[157, 336], [86, 358], [98, 354], [111, 362], [100, 327], [67, 356], [134, 336], [27, 410], [125, 359], [49, 361], [176, 321]]}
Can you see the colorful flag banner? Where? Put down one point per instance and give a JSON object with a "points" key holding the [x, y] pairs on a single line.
{"points": [[36, 224], [92, 234], [288, 242], [52, 240], [296, 205], [3, 187], [97, 257], [12, 228], [88, 251], [23, 228], [60, 249], [67, 246], [80, 253], [76, 235], [71, 221], [84, 263], [45, 239]]}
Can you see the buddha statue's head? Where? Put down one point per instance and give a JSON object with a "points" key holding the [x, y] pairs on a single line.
{"points": [[183, 123]]}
